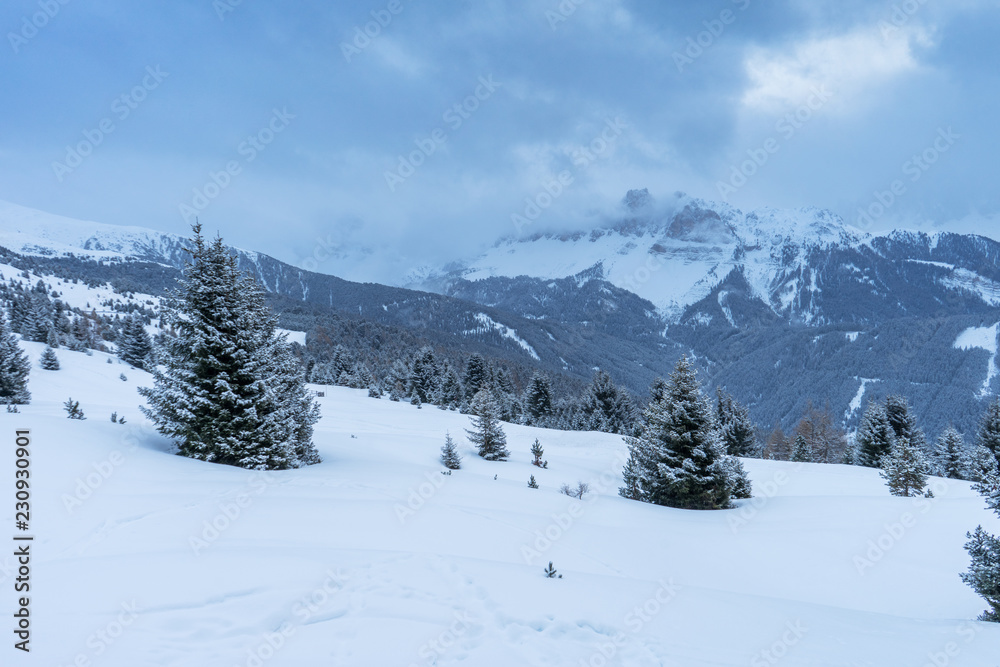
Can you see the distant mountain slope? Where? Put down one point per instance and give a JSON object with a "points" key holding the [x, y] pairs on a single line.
{"points": [[781, 307]]}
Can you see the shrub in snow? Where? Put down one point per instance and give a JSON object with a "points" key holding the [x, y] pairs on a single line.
{"points": [[11, 408], [551, 573], [581, 489], [532, 484], [72, 409], [449, 454], [123, 377], [374, 392]]}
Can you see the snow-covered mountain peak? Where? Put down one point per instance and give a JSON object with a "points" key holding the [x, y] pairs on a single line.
{"points": [[32, 232]]}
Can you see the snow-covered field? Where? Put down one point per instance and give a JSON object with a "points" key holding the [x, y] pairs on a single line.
{"points": [[374, 558]]}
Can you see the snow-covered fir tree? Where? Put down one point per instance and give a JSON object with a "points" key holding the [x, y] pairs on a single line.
{"points": [[450, 457], [735, 427], [538, 400], [476, 375], [49, 361], [486, 433], [14, 368], [980, 465], [229, 391], [875, 436], [677, 459], [950, 455], [422, 382], [801, 452], [739, 480], [988, 434], [904, 423], [607, 407], [983, 575], [532, 484], [134, 344], [904, 469]]}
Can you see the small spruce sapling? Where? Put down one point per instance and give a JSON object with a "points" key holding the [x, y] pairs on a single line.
{"points": [[538, 452], [49, 360], [73, 409], [449, 454], [550, 572], [123, 377], [532, 484]]}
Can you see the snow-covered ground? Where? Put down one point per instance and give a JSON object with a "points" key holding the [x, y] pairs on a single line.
{"points": [[375, 558]]}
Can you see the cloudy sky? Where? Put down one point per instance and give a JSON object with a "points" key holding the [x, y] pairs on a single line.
{"points": [[423, 129]]}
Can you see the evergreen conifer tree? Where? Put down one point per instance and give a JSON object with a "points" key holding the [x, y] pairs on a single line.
{"points": [[73, 410], [14, 368], [676, 459], [538, 399], [537, 452], [875, 436], [135, 345], [904, 469], [449, 454], [983, 575], [487, 434], [476, 375], [532, 484], [951, 460], [735, 427], [904, 423], [988, 435], [801, 453], [49, 361], [230, 390]]}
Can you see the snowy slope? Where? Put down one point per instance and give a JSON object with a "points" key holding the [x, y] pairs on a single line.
{"points": [[375, 558], [32, 232]]}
